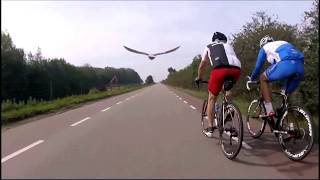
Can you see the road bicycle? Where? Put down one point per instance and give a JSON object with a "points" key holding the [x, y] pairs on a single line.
{"points": [[293, 128], [228, 122]]}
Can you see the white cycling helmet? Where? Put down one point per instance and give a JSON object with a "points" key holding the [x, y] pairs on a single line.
{"points": [[265, 40]]}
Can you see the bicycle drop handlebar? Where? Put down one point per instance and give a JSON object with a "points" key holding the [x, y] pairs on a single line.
{"points": [[250, 82], [200, 82]]}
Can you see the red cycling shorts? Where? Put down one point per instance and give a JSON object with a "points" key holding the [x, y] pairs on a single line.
{"points": [[217, 78]]}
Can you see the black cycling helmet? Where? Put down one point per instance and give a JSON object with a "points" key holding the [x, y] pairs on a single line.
{"points": [[220, 36]]}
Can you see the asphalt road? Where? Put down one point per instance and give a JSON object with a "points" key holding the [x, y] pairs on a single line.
{"points": [[149, 133]]}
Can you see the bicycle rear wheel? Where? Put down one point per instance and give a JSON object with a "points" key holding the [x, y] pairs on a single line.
{"points": [[298, 143], [255, 124], [232, 135]]}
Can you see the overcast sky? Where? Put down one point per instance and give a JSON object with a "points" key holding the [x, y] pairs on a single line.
{"points": [[94, 32]]}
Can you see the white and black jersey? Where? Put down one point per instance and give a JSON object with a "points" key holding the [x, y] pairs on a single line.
{"points": [[221, 54]]}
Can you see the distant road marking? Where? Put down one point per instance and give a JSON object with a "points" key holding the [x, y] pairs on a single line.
{"points": [[185, 102], [105, 109], [20, 151], [180, 98], [177, 96], [192, 107], [119, 102], [128, 99], [80, 121]]}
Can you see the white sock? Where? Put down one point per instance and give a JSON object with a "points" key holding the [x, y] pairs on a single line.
{"points": [[268, 106]]}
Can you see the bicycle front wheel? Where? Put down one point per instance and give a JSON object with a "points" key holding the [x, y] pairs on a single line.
{"points": [[255, 124], [232, 135], [298, 141]]}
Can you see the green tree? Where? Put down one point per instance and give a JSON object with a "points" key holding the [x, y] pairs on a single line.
{"points": [[149, 80], [310, 35], [13, 69]]}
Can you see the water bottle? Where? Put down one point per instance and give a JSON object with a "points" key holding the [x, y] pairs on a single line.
{"points": [[216, 108], [291, 127]]}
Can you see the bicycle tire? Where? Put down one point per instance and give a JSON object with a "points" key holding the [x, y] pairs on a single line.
{"points": [[236, 121], [297, 156], [258, 122]]}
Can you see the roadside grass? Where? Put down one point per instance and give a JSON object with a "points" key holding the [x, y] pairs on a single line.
{"points": [[242, 101], [12, 112]]}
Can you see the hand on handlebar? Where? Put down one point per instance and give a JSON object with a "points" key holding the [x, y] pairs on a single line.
{"points": [[249, 81], [248, 78], [197, 81]]}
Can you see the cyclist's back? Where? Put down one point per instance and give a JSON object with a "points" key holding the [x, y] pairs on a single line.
{"points": [[287, 61], [280, 51], [221, 54]]}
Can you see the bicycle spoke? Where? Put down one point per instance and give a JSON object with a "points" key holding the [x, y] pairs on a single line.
{"points": [[298, 141]]}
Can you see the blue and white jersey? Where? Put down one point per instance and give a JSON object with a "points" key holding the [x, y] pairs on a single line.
{"points": [[275, 52]]}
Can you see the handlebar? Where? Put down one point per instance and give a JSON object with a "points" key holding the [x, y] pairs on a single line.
{"points": [[200, 82], [203, 82], [251, 82]]}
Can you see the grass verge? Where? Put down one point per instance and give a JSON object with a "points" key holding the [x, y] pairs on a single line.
{"points": [[37, 108]]}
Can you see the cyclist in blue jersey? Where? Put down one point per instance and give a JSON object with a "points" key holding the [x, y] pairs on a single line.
{"points": [[287, 62]]}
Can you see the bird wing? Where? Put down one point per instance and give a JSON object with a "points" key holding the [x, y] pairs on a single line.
{"points": [[167, 51], [135, 51]]}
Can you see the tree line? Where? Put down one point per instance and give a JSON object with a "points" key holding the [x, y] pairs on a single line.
{"points": [[246, 45], [25, 76]]}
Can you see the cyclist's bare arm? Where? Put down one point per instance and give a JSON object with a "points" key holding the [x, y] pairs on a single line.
{"points": [[204, 62]]}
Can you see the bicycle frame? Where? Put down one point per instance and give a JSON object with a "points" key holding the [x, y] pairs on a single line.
{"points": [[284, 106]]}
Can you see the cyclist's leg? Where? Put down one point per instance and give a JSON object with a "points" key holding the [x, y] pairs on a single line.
{"points": [[214, 88], [265, 89], [235, 74], [294, 82], [281, 70], [211, 105]]}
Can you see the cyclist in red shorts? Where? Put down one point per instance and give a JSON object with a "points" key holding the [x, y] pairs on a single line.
{"points": [[224, 63]]}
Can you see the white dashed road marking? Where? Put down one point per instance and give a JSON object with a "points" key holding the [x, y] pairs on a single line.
{"points": [[80, 121], [180, 98], [185, 102], [192, 107], [20, 151], [119, 102], [105, 109]]}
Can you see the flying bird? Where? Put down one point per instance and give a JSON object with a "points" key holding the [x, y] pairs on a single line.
{"points": [[150, 56]]}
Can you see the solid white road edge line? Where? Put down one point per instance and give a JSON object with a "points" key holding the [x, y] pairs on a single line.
{"points": [[80, 121], [20, 151], [105, 109]]}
